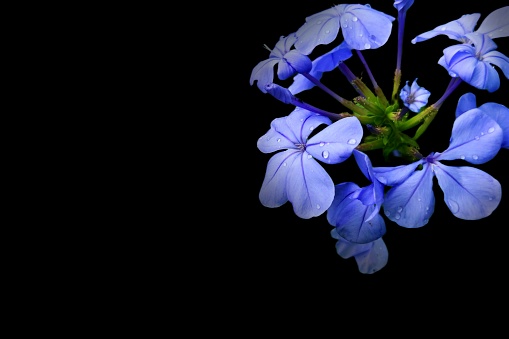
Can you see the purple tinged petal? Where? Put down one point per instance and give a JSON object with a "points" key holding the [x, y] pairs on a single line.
{"points": [[280, 93], [309, 187], [455, 30], [411, 203], [465, 103], [498, 59], [496, 24], [373, 260], [335, 143], [278, 137], [475, 138], [304, 122], [273, 191], [500, 114], [349, 216], [469, 193]]}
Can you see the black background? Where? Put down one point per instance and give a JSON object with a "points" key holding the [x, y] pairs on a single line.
{"points": [[274, 252]]}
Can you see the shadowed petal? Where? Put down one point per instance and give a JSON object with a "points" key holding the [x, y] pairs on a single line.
{"points": [[496, 24], [273, 191], [455, 30]]}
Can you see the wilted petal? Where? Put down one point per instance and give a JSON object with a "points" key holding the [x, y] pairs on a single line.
{"points": [[475, 138], [411, 203], [336, 142], [469, 193], [309, 187]]}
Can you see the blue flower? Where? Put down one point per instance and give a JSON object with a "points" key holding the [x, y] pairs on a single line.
{"points": [[289, 62], [496, 111], [495, 25], [370, 257], [469, 193], [293, 174], [473, 64], [362, 26], [324, 63], [414, 97]]}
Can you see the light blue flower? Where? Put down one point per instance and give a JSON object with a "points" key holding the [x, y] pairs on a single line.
{"points": [[289, 62], [294, 174], [370, 257], [469, 193], [362, 26], [474, 64], [414, 97]]}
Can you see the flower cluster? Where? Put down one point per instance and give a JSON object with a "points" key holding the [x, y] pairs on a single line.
{"points": [[310, 137]]}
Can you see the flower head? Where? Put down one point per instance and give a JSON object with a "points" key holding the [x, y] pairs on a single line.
{"points": [[294, 174], [414, 97]]}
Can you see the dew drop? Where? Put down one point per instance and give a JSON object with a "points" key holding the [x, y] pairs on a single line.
{"points": [[387, 213], [278, 139], [367, 46], [475, 157], [427, 208], [443, 28], [345, 25], [397, 216], [318, 207], [311, 128], [309, 156], [354, 18], [322, 143], [453, 206], [327, 31], [490, 198], [325, 154], [425, 221], [476, 137], [400, 209], [462, 157], [491, 130], [319, 22], [352, 141], [361, 35], [284, 164]]}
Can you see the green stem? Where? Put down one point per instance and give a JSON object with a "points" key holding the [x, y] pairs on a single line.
{"points": [[372, 145]]}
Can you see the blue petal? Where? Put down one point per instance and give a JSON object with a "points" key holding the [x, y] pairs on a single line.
{"points": [[465, 103], [496, 24], [469, 193], [364, 27], [273, 191], [280, 93], [303, 122], [319, 28], [350, 217], [391, 176], [475, 138], [278, 137], [403, 5], [411, 203], [335, 143], [455, 30], [498, 59], [309, 187], [500, 114]]}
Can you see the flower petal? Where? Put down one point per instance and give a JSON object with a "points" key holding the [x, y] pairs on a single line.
{"points": [[496, 24], [469, 193], [273, 191], [411, 203], [475, 138]]}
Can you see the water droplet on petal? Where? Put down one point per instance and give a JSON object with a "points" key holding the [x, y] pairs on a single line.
{"points": [[476, 137], [352, 141], [387, 213], [318, 207], [397, 216], [327, 31], [309, 156], [284, 164], [278, 139], [325, 154], [475, 157], [322, 143], [311, 128], [443, 28], [367, 46], [453, 206], [462, 157], [354, 18], [491, 130]]}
